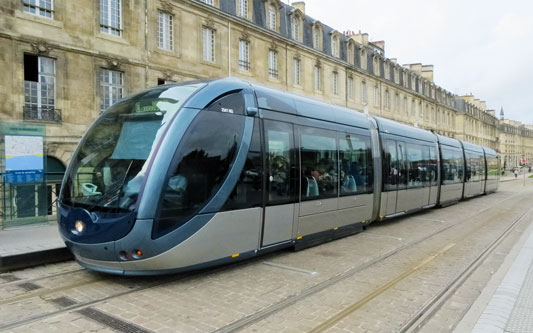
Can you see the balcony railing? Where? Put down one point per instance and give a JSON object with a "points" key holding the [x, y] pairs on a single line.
{"points": [[273, 73], [41, 114]]}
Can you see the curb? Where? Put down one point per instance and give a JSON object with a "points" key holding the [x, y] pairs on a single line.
{"points": [[26, 260]]}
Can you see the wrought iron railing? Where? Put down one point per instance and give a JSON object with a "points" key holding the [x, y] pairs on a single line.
{"points": [[273, 73], [26, 203], [31, 112], [245, 65]]}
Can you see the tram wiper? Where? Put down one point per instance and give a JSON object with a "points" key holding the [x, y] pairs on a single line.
{"points": [[113, 193]]}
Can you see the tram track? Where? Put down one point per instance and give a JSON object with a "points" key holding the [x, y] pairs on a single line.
{"points": [[162, 281], [284, 304], [243, 322], [13, 280], [432, 305]]}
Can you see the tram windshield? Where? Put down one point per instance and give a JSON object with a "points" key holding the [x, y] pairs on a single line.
{"points": [[109, 167]]}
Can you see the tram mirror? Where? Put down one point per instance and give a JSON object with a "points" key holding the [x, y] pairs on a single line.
{"points": [[251, 111]]}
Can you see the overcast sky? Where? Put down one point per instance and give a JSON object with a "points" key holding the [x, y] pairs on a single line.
{"points": [[479, 47]]}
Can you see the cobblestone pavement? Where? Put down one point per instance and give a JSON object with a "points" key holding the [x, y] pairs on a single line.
{"points": [[375, 281]]}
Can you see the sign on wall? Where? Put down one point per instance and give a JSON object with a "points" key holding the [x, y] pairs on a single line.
{"points": [[24, 161]]}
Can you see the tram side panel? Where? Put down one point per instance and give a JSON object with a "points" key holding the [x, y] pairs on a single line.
{"points": [[475, 170], [336, 178], [493, 170], [452, 174], [410, 175]]}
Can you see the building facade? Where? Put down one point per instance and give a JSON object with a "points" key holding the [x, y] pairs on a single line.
{"points": [[65, 62]]}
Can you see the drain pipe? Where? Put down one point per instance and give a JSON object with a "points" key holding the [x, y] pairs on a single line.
{"points": [[229, 49]]}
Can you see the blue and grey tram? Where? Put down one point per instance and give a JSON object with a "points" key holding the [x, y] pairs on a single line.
{"points": [[197, 174]]}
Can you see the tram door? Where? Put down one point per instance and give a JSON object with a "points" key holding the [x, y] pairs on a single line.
{"points": [[280, 174]]}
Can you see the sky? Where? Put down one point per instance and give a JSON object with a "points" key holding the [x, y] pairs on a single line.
{"points": [[484, 48]]}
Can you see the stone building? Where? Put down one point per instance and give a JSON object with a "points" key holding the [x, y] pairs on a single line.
{"points": [[66, 61]]}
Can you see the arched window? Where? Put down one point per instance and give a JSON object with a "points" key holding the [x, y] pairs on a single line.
{"points": [[376, 65], [364, 59], [317, 36], [335, 45], [272, 14], [296, 26], [350, 52]]}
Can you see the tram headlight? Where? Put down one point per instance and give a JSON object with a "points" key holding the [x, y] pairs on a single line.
{"points": [[79, 228]]}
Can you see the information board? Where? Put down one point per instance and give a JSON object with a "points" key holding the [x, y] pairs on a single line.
{"points": [[24, 158]]}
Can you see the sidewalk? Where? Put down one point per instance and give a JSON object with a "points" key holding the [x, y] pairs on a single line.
{"points": [[31, 245], [510, 176], [506, 303]]}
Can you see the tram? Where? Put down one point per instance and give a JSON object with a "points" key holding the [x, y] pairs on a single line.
{"points": [[191, 175]]}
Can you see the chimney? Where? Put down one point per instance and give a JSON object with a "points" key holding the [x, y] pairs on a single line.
{"points": [[299, 5], [361, 38], [427, 72]]}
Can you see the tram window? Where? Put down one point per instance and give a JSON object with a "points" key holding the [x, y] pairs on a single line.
{"points": [[247, 192], [452, 166], [280, 159], [199, 167], [493, 170], [417, 166], [318, 152], [402, 165], [482, 167], [233, 103], [356, 169], [433, 171], [473, 166], [390, 166]]}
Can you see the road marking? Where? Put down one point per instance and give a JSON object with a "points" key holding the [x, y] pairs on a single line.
{"points": [[290, 268], [366, 233], [426, 219]]}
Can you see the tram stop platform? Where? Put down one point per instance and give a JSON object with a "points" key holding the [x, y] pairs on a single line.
{"points": [[32, 245], [506, 303]]}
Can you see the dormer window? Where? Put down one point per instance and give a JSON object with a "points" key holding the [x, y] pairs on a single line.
{"points": [[244, 8], [350, 52], [317, 36], [376, 65], [272, 17], [335, 45], [364, 59], [296, 33], [272, 14]]}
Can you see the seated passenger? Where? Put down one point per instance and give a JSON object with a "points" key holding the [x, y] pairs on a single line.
{"points": [[178, 184]]}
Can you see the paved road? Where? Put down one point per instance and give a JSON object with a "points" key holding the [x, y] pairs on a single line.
{"points": [[381, 280]]}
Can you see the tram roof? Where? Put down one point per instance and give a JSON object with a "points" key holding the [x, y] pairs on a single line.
{"points": [[472, 147], [444, 140], [490, 151], [393, 127], [276, 100]]}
